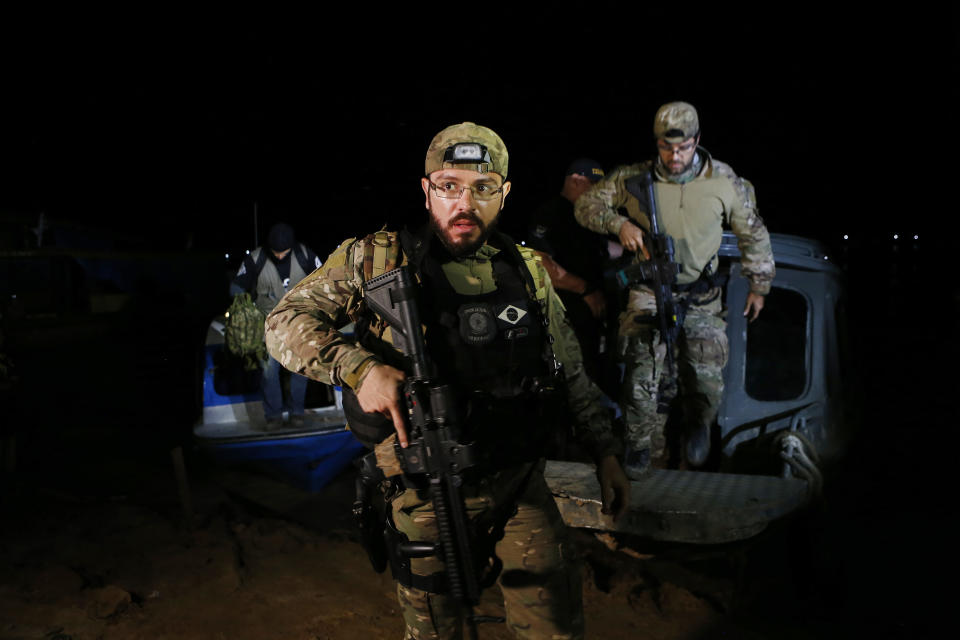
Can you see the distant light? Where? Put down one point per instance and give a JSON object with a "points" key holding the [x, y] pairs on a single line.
{"points": [[226, 315], [825, 258], [896, 237], [846, 237], [523, 243], [14, 296], [228, 256], [248, 251], [916, 237]]}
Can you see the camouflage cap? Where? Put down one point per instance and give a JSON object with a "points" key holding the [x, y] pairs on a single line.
{"points": [[467, 146], [676, 122]]}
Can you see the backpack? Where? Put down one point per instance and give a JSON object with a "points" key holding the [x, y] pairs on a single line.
{"points": [[243, 331]]}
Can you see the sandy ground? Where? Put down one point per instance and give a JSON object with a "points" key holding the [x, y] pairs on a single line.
{"points": [[80, 562], [102, 549]]}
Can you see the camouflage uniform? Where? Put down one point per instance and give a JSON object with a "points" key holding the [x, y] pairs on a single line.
{"points": [[540, 583], [692, 213], [540, 580]]}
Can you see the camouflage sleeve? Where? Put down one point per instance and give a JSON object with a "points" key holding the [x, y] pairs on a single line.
{"points": [[752, 237], [597, 208], [593, 427], [301, 331]]}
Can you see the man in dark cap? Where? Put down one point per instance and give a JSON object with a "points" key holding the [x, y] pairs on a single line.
{"points": [[575, 260], [267, 274]]}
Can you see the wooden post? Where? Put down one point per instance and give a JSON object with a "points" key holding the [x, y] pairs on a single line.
{"points": [[183, 487]]}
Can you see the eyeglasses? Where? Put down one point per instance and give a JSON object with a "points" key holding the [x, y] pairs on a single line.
{"points": [[453, 191], [684, 148]]}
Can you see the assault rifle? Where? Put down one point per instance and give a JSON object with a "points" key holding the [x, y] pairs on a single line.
{"points": [[433, 451], [660, 274]]}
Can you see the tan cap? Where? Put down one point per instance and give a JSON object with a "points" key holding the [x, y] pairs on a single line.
{"points": [[467, 146], [676, 122]]}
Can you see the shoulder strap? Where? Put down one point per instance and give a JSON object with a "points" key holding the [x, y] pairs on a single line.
{"points": [[259, 262], [415, 245], [528, 270], [637, 187], [381, 253], [302, 259]]}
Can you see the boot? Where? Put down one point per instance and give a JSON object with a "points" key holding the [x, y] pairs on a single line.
{"points": [[636, 463], [697, 445]]}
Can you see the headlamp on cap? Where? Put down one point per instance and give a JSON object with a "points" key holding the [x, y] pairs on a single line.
{"points": [[468, 153]]}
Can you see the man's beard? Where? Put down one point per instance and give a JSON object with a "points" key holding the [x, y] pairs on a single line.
{"points": [[458, 250], [682, 169], [685, 174]]}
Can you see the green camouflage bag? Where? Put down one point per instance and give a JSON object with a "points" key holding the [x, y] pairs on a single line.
{"points": [[243, 331]]}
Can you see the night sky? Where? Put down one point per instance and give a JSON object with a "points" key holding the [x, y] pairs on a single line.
{"points": [[172, 130]]}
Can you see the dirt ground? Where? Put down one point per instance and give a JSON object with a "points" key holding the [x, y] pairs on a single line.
{"points": [[101, 548], [83, 562], [95, 544]]}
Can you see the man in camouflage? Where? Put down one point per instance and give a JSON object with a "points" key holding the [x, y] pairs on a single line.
{"points": [[460, 259], [695, 195]]}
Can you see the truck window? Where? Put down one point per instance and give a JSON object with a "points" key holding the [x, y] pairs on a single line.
{"points": [[776, 367]]}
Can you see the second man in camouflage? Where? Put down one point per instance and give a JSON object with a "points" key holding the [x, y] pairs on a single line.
{"points": [[696, 196]]}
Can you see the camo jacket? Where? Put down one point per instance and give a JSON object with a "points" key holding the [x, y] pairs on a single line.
{"points": [[693, 214], [302, 330]]}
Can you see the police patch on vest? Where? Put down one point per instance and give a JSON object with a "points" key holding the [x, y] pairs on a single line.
{"points": [[477, 323]]}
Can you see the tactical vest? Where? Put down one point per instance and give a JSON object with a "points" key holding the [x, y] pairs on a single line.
{"points": [[494, 349]]}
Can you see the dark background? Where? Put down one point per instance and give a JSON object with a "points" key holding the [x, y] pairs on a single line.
{"points": [[169, 129], [156, 137]]}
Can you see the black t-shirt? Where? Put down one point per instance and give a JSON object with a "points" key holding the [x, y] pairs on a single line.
{"points": [[554, 230]]}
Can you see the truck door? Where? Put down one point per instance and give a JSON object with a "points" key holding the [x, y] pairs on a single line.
{"points": [[776, 371]]}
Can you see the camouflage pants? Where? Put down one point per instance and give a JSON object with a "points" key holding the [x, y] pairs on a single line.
{"points": [[703, 349], [540, 579]]}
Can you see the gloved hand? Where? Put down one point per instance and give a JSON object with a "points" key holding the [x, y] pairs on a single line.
{"points": [[614, 487]]}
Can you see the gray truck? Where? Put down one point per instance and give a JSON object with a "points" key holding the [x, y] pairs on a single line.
{"points": [[786, 414]]}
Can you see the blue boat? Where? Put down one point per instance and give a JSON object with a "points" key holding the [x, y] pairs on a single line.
{"points": [[233, 430]]}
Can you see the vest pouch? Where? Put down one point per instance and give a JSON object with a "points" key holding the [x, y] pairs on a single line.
{"points": [[369, 428]]}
